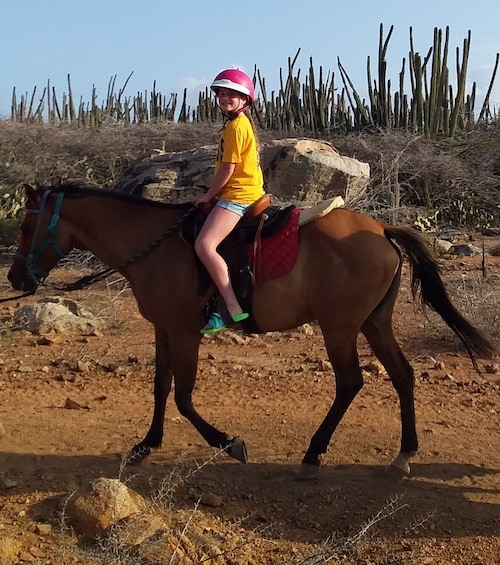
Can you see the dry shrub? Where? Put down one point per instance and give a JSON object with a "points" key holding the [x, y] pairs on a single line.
{"points": [[408, 172], [37, 153], [429, 174], [478, 298]]}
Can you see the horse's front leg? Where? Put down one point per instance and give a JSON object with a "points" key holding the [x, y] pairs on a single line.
{"points": [[185, 363], [162, 387], [179, 358]]}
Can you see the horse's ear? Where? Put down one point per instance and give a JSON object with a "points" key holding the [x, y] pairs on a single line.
{"points": [[31, 192]]}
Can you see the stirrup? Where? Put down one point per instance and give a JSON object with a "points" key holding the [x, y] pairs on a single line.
{"points": [[214, 324]]}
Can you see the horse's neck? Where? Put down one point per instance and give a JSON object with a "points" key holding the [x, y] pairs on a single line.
{"points": [[116, 230]]}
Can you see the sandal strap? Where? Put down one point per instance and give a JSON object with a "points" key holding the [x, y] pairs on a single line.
{"points": [[214, 324]]}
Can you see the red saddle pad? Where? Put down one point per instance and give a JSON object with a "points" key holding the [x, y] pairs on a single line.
{"points": [[278, 252]]}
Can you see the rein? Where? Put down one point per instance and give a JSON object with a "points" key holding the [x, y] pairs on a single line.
{"points": [[23, 295], [101, 275]]}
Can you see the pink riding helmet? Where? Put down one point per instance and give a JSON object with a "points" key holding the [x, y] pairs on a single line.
{"points": [[234, 79]]}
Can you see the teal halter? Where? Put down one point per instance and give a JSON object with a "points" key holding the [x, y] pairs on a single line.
{"points": [[32, 269]]}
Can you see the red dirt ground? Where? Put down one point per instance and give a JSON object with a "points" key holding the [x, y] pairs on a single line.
{"points": [[272, 391]]}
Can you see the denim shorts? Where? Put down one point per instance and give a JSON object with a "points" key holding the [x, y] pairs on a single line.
{"points": [[235, 207]]}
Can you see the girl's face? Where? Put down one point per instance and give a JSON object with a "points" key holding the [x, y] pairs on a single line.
{"points": [[230, 101]]}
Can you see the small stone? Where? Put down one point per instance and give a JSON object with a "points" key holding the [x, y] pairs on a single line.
{"points": [[375, 367], [324, 365], [45, 340], [307, 329], [211, 499], [36, 552], [43, 529], [82, 367], [72, 405], [6, 483]]}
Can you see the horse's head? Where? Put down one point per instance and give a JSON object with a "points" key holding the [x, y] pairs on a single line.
{"points": [[40, 246]]}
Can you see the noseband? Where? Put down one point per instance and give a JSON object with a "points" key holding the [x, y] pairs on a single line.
{"points": [[33, 271]]}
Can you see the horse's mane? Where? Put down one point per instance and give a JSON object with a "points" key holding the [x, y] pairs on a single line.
{"points": [[79, 189]]}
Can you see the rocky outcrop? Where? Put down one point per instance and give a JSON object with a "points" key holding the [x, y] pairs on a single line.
{"points": [[309, 170], [295, 170]]}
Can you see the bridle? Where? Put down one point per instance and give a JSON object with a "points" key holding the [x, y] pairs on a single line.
{"points": [[33, 271]]}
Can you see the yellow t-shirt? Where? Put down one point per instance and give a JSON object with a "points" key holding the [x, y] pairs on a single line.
{"points": [[238, 145]]}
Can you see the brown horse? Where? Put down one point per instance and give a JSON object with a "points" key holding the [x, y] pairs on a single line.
{"points": [[346, 277]]}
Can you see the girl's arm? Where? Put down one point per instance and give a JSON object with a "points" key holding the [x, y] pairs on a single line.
{"points": [[222, 176]]}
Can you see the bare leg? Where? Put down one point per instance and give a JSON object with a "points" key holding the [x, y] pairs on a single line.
{"points": [[218, 225]]}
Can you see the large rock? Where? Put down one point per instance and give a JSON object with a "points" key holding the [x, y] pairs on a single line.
{"points": [[55, 314], [295, 170], [96, 507], [309, 170]]}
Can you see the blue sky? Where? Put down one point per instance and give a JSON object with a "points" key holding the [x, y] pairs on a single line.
{"points": [[185, 43]]}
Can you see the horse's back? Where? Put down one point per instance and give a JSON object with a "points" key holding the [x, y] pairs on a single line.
{"points": [[342, 222], [344, 268], [353, 239]]}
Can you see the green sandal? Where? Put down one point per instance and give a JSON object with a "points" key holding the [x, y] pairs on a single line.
{"points": [[240, 317]]}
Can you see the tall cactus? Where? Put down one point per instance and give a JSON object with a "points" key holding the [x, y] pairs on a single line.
{"points": [[432, 106]]}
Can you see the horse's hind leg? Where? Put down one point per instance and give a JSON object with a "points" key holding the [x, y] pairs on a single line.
{"points": [[378, 331], [349, 381]]}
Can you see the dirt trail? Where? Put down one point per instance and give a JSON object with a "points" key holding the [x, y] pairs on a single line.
{"points": [[272, 391]]}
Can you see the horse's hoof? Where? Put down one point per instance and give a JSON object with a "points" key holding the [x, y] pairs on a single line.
{"points": [[399, 468], [237, 450], [137, 455], [308, 472]]}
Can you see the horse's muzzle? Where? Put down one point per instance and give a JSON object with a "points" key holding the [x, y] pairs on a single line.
{"points": [[19, 280]]}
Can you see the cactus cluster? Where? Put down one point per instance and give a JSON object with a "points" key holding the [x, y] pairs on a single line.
{"points": [[316, 104]]}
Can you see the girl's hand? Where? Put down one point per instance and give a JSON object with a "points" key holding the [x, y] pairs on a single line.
{"points": [[203, 198]]}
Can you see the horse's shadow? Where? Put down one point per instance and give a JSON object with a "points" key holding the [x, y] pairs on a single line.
{"points": [[453, 500]]}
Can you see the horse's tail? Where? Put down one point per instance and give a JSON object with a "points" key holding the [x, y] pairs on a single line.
{"points": [[426, 281]]}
